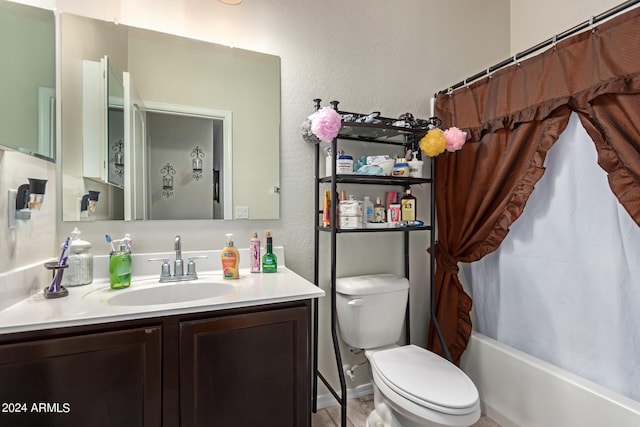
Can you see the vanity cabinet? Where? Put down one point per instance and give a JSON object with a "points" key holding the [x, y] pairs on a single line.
{"points": [[89, 379], [246, 370], [239, 367]]}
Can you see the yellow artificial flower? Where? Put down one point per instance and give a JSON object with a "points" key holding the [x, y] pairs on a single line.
{"points": [[433, 143]]}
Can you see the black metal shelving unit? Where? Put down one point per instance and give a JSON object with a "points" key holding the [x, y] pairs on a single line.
{"points": [[382, 132]]}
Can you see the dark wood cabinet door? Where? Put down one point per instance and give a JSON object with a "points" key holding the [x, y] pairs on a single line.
{"points": [[100, 379], [246, 370]]}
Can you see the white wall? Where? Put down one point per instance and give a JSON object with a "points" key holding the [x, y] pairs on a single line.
{"points": [[27, 247], [533, 22]]}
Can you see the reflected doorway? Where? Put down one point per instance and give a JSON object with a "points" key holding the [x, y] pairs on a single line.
{"points": [[185, 161]]}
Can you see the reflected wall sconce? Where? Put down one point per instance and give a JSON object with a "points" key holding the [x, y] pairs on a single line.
{"points": [[197, 154], [167, 172], [118, 148], [24, 200], [89, 203]]}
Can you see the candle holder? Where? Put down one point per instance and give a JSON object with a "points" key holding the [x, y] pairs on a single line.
{"points": [[196, 164]]}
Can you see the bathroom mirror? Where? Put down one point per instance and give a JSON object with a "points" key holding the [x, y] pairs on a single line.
{"points": [[200, 125], [27, 79]]}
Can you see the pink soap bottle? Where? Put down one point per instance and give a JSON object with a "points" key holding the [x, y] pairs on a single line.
{"points": [[254, 253]]}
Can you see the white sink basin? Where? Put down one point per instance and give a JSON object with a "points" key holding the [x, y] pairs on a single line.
{"points": [[169, 293]]}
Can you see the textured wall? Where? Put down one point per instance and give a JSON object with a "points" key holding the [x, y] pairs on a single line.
{"points": [[534, 22]]}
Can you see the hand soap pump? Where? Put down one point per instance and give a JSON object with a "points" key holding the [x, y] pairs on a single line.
{"points": [[230, 260], [415, 166], [120, 263]]}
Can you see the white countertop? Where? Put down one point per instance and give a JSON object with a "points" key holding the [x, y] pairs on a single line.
{"points": [[89, 304]]}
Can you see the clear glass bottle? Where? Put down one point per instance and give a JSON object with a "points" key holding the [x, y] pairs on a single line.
{"points": [[378, 211]]}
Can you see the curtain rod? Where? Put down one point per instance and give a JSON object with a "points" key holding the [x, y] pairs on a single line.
{"points": [[552, 41]]}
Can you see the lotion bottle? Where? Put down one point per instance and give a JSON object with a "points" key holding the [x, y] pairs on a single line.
{"points": [[230, 260]]}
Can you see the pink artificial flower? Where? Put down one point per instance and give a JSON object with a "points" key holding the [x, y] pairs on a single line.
{"points": [[455, 138], [326, 123]]}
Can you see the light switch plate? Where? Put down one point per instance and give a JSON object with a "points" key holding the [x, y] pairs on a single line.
{"points": [[242, 212]]}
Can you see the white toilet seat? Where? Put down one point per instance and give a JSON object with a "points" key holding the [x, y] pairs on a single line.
{"points": [[420, 383]]}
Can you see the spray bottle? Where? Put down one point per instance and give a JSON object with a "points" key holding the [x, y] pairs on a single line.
{"points": [[254, 253]]}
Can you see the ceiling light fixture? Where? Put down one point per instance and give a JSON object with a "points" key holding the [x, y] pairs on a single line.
{"points": [[233, 2]]}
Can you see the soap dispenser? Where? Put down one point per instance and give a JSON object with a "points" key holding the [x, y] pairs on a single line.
{"points": [[415, 166], [120, 264], [80, 261], [230, 260]]}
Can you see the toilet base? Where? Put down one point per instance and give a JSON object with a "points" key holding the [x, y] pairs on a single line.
{"points": [[384, 416], [387, 414]]}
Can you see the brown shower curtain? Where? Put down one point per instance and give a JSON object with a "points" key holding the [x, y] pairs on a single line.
{"points": [[512, 120]]}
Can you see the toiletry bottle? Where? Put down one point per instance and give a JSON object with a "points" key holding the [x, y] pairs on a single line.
{"points": [[326, 209], [80, 260], [379, 211], [408, 206], [415, 166], [368, 210], [230, 260], [120, 266], [269, 259], [254, 253]]}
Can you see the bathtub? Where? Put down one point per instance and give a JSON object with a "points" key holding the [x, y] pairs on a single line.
{"points": [[517, 389]]}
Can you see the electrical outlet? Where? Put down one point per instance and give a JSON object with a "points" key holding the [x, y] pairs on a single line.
{"points": [[242, 212]]}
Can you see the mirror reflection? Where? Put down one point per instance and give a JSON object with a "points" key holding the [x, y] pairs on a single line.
{"points": [[27, 79], [165, 127]]}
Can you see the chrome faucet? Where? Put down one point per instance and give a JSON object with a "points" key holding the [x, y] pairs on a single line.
{"points": [[178, 265]]}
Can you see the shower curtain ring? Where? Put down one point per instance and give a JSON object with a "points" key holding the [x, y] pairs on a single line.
{"points": [[489, 73], [555, 41], [592, 24]]}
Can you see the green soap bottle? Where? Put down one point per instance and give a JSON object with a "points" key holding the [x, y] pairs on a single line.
{"points": [[120, 268], [269, 259]]}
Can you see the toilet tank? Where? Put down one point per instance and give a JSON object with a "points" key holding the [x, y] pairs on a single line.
{"points": [[371, 309]]}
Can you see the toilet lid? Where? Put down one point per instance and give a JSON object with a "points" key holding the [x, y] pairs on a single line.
{"points": [[425, 379]]}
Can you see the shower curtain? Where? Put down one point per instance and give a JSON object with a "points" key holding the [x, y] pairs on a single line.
{"points": [[513, 119], [564, 285]]}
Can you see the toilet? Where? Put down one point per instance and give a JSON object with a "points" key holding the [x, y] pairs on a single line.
{"points": [[411, 386]]}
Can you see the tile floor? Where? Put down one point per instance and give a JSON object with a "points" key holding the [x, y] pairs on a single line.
{"points": [[357, 412]]}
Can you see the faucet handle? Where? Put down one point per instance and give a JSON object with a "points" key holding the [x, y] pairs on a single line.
{"points": [[165, 270], [191, 265]]}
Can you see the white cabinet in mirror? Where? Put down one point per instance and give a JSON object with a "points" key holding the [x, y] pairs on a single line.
{"points": [[171, 125]]}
